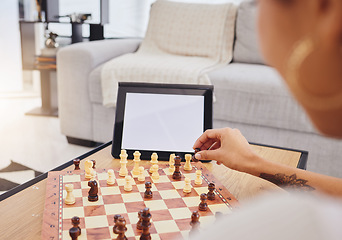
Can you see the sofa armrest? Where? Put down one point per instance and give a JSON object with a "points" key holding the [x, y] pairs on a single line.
{"points": [[74, 64]]}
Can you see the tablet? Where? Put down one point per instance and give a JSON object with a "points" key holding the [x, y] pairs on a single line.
{"points": [[162, 118]]}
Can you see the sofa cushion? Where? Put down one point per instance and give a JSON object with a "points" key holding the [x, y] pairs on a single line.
{"points": [[94, 81], [256, 94], [246, 49]]}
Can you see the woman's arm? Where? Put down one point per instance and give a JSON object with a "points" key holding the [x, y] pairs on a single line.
{"points": [[229, 147]]}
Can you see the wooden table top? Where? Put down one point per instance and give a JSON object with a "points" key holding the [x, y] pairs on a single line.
{"points": [[22, 213]]}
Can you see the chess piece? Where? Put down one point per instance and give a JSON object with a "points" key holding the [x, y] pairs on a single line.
{"points": [[146, 217], [177, 175], [198, 180], [136, 161], [111, 177], [94, 163], [211, 194], [203, 206], [139, 226], [116, 216], [70, 198], [187, 187], [187, 165], [75, 231], [154, 160], [120, 228], [141, 177], [92, 194], [155, 173], [123, 161], [93, 174], [193, 157], [172, 163], [148, 193], [88, 168], [128, 185], [77, 164], [194, 222]]}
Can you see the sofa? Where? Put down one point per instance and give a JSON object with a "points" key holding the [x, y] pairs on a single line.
{"points": [[250, 96]]}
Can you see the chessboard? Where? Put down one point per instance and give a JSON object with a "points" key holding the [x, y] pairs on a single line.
{"points": [[170, 207]]}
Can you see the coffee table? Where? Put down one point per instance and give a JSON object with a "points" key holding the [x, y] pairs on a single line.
{"points": [[22, 208]]}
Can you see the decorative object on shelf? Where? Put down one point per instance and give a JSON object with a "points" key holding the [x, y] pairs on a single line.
{"points": [[50, 42], [77, 19]]}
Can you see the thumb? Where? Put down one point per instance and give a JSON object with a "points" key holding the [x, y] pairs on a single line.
{"points": [[207, 155]]}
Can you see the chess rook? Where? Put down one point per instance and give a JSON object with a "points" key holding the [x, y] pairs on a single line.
{"points": [[211, 194], [177, 175], [77, 164], [187, 165], [70, 198]]}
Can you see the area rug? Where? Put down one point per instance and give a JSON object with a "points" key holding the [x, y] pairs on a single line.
{"points": [[15, 174]]}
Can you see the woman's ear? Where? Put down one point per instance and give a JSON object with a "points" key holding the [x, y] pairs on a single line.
{"points": [[329, 16]]}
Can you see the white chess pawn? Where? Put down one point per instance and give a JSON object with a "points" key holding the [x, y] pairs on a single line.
{"points": [[93, 174], [155, 173], [136, 161], [141, 177], [111, 177], [154, 160], [128, 185], [198, 180], [88, 168], [187, 165], [187, 187], [172, 163], [70, 198]]}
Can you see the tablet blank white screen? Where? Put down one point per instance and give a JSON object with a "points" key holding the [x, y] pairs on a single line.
{"points": [[162, 122]]}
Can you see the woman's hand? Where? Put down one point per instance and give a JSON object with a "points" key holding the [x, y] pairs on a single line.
{"points": [[227, 146]]}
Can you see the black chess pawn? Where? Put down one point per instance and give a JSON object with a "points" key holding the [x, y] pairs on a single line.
{"points": [[148, 193], [75, 231], [194, 222], [194, 159], [211, 194], [116, 216], [203, 206], [92, 194], [94, 163], [139, 226], [146, 224], [77, 164], [177, 175], [120, 228]]}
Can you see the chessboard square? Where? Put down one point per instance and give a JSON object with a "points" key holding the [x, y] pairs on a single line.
{"points": [[164, 186], [192, 201], [168, 194], [111, 199], [96, 221], [134, 206], [132, 197], [174, 203], [110, 190], [76, 192], [122, 182], [84, 185], [116, 208], [184, 224], [172, 235], [201, 190], [167, 171], [86, 202], [180, 213], [207, 221], [71, 212], [98, 233], [83, 236], [141, 187], [223, 208], [94, 211], [133, 217], [156, 205], [192, 176], [178, 184], [161, 215], [166, 226], [102, 176], [71, 178], [162, 178]]}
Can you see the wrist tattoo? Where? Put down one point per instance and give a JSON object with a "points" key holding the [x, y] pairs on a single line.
{"points": [[291, 182]]}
